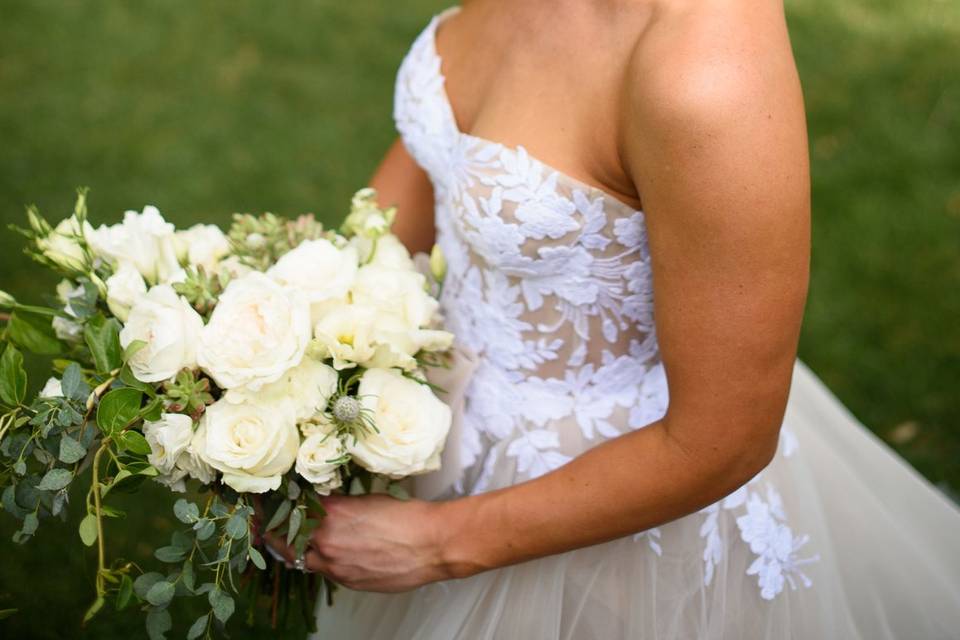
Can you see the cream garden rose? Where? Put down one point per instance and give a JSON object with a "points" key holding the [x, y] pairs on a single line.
{"points": [[394, 291], [317, 268], [252, 443], [170, 452], [314, 462], [169, 326], [412, 424], [168, 437], [308, 386], [202, 245], [124, 288], [144, 240], [258, 330]]}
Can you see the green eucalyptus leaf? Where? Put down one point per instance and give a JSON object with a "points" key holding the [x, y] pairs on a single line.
{"points": [[88, 529], [102, 336], [296, 519], [187, 576], [55, 479], [33, 332], [30, 524], [185, 511], [161, 593], [117, 409], [205, 529], [279, 515], [223, 605], [71, 383], [237, 526], [256, 558], [169, 554], [198, 627], [145, 582], [70, 450], [13, 377], [159, 623]]}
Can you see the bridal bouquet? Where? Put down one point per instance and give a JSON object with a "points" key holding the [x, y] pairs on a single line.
{"points": [[265, 367]]}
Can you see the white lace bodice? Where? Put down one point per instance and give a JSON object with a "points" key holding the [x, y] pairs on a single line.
{"points": [[549, 281], [548, 278]]}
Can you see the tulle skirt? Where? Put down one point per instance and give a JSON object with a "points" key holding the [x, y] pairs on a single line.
{"points": [[837, 538]]}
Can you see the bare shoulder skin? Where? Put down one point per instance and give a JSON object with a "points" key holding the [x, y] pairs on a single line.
{"points": [[698, 116]]}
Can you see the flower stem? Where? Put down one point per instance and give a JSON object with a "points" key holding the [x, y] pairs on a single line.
{"points": [[98, 514]]}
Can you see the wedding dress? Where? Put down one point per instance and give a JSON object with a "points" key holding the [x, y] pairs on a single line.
{"points": [[549, 283]]}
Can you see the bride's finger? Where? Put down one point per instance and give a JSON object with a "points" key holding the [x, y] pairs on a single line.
{"points": [[280, 548]]}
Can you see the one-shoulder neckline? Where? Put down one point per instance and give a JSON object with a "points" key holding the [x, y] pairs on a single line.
{"points": [[514, 148]]}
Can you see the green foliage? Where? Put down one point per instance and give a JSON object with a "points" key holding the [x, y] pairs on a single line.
{"points": [[33, 332], [102, 336], [117, 409], [13, 378]]}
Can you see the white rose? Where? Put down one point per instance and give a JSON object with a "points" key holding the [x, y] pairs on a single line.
{"points": [[64, 246], [308, 386], [313, 462], [317, 268], [399, 292], [346, 334], [202, 245], [145, 240], [252, 443], [412, 425], [124, 288], [171, 329], [168, 437], [387, 252], [257, 331], [51, 389]]}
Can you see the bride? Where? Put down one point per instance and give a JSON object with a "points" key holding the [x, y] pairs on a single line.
{"points": [[621, 190]]}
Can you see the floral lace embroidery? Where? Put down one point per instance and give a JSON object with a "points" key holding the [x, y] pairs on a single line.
{"points": [[549, 280]]}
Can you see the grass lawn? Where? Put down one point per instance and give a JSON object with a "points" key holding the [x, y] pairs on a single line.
{"points": [[207, 108]]}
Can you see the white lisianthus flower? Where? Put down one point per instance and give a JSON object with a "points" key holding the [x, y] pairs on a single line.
{"points": [[393, 291], [202, 245], [257, 332], [412, 425], [51, 389], [145, 240], [345, 333], [63, 244], [124, 288], [171, 329], [308, 386], [252, 443], [317, 268], [387, 251], [313, 462]]}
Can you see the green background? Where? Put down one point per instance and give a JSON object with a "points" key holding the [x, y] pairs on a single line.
{"points": [[207, 108]]}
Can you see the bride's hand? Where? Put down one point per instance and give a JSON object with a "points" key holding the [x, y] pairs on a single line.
{"points": [[375, 543]]}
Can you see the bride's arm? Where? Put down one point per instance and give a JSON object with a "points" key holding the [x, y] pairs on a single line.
{"points": [[401, 182], [716, 142], [715, 138]]}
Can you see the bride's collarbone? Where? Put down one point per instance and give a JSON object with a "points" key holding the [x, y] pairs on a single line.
{"points": [[559, 103]]}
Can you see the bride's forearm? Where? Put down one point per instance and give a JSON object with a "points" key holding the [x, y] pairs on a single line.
{"points": [[624, 486]]}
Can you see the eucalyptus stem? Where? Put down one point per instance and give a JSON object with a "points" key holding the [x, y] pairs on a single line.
{"points": [[98, 514]]}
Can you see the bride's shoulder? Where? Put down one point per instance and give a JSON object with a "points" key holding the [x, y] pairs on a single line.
{"points": [[691, 58]]}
